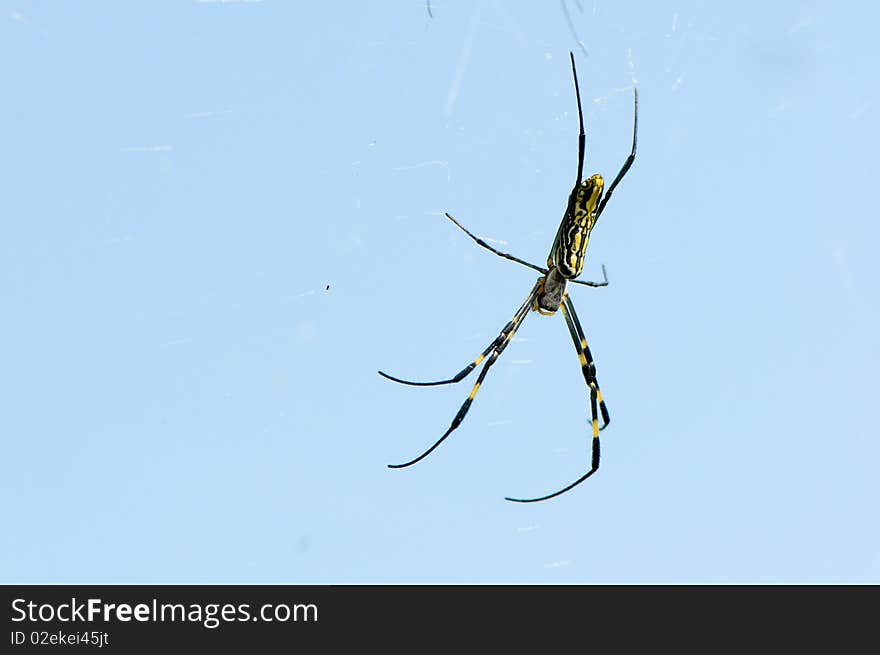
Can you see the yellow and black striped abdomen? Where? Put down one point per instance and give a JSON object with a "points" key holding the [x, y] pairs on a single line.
{"points": [[574, 232]]}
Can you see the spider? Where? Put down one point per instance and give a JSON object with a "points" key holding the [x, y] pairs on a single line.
{"points": [[564, 263]]}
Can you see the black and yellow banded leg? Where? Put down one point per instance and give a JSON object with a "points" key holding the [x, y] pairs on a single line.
{"points": [[497, 348], [588, 367], [593, 468], [589, 370], [463, 373]]}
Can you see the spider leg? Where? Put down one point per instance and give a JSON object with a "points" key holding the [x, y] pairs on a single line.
{"points": [[629, 160], [588, 283], [588, 367], [485, 245], [512, 324], [497, 348], [596, 402], [462, 374], [581, 137]]}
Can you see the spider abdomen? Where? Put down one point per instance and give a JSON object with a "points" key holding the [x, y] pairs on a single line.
{"points": [[574, 232]]}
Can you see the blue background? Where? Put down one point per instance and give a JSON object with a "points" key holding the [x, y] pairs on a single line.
{"points": [[184, 400]]}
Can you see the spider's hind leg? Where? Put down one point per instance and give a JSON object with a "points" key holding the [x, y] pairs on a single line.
{"points": [[597, 405], [497, 347], [588, 366]]}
